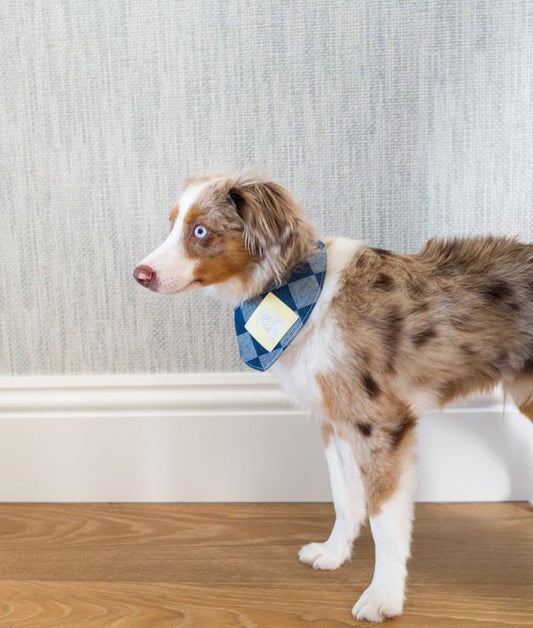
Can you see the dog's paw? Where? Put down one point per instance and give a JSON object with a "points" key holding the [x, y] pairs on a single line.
{"points": [[376, 605], [322, 556]]}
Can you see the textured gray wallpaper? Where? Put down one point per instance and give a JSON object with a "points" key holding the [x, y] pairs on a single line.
{"points": [[389, 120]]}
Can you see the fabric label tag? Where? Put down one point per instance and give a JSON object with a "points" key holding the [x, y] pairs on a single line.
{"points": [[270, 321]]}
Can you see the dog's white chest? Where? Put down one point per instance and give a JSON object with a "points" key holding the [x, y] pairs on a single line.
{"points": [[312, 352], [308, 357]]}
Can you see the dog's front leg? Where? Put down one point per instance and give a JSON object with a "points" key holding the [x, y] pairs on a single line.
{"points": [[390, 522], [349, 502]]}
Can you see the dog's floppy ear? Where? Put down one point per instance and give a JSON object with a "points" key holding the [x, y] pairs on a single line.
{"points": [[269, 214]]}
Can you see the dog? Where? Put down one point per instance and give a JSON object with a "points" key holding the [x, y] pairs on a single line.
{"points": [[385, 337]]}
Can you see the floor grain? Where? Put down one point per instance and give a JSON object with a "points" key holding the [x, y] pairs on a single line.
{"points": [[214, 565]]}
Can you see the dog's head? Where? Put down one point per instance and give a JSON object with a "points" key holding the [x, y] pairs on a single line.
{"points": [[242, 232]]}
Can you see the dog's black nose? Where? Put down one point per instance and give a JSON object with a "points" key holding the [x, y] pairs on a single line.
{"points": [[144, 274]]}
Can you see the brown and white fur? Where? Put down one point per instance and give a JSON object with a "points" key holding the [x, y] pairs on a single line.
{"points": [[390, 336]]}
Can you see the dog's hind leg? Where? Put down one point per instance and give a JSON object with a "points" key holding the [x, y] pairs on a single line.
{"points": [[521, 390], [349, 502]]}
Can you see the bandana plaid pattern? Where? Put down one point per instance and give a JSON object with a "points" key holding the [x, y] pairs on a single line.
{"points": [[299, 292]]}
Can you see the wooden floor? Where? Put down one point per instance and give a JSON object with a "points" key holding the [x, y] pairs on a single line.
{"points": [[235, 565]]}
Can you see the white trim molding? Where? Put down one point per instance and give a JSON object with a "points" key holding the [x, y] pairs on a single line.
{"points": [[225, 437], [140, 395]]}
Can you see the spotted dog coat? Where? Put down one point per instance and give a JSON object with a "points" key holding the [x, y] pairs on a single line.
{"points": [[390, 336]]}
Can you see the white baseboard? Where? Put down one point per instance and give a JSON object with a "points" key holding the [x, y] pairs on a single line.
{"points": [[224, 437]]}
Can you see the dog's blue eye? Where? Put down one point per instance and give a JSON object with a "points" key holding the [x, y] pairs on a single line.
{"points": [[200, 232]]}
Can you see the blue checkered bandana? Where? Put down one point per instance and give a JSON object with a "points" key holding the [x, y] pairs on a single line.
{"points": [[268, 323]]}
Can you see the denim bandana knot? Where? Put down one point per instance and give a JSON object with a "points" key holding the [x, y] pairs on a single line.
{"points": [[268, 323]]}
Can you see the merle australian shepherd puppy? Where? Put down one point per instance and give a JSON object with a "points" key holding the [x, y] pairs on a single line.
{"points": [[388, 336]]}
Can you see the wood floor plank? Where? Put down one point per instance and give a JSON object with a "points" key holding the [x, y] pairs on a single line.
{"points": [[235, 565]]}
